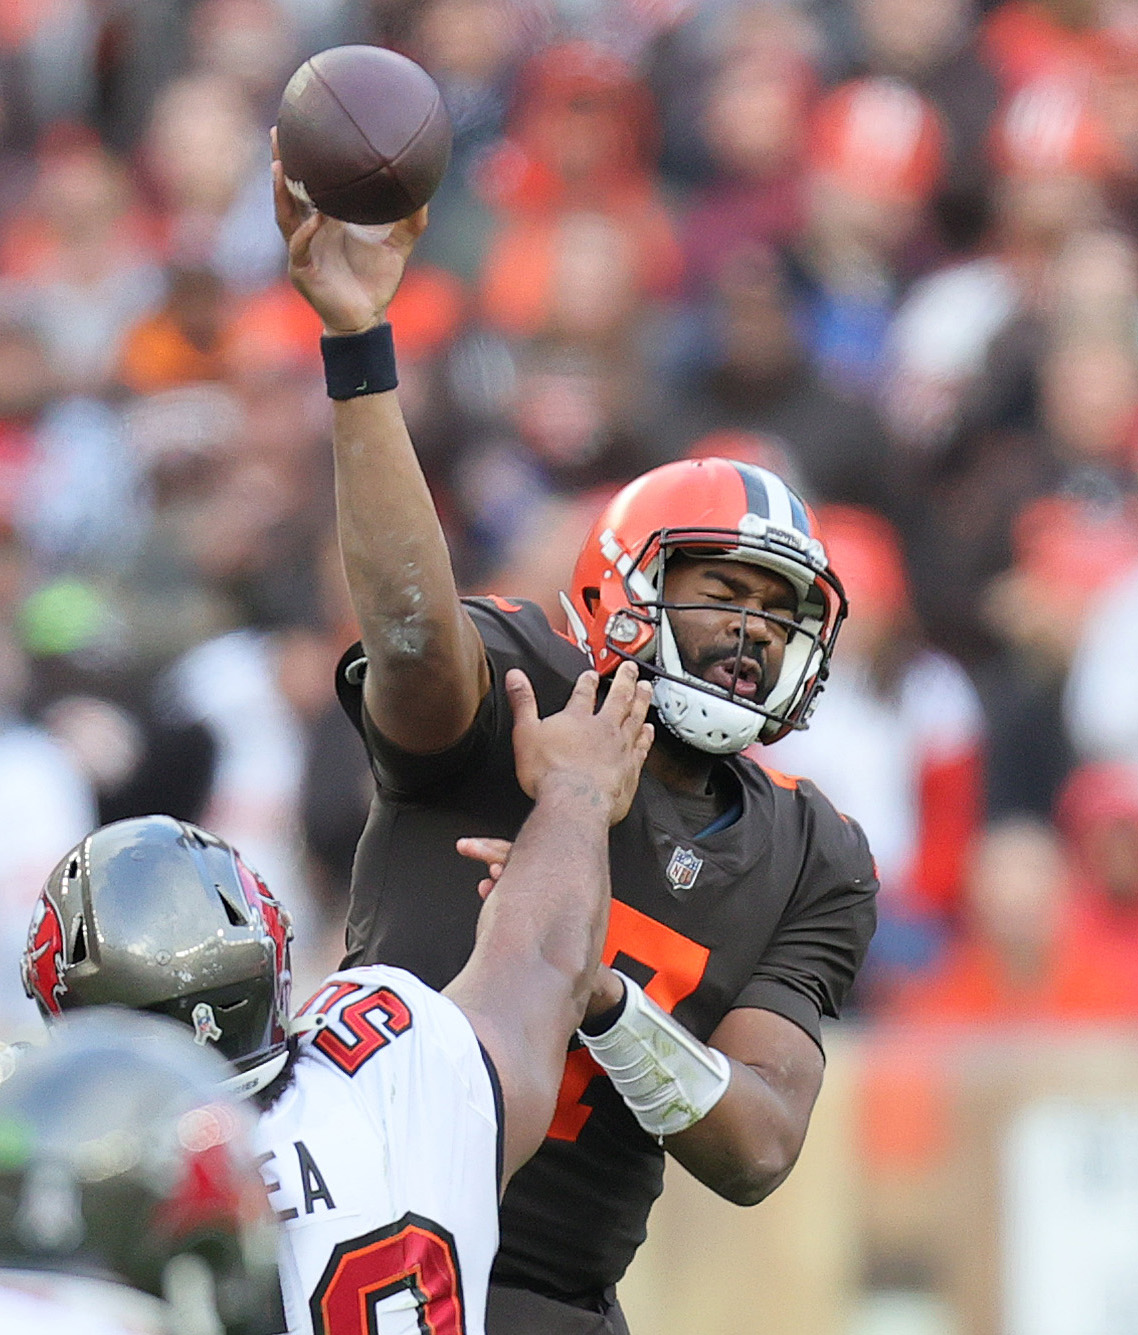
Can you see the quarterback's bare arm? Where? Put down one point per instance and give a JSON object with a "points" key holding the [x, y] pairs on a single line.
{"points": [[427, 669], [744, 1098], [734, 1111]]}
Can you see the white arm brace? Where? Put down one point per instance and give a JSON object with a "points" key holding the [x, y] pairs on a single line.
{"points": [[669, 1079]]}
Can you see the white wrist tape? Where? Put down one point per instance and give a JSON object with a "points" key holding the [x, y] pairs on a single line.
{"points": [[669, 1079]]}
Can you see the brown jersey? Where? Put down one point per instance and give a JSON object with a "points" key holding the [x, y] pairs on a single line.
{"points": [[773, 911]]}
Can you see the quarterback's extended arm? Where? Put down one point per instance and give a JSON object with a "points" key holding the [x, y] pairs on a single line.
{"points": [[427, 669]]}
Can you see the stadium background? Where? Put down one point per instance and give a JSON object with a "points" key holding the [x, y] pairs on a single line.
{"points": [[888, 247]]}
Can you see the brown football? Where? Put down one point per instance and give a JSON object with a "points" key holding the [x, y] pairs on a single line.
{"points": [[363, 134]]}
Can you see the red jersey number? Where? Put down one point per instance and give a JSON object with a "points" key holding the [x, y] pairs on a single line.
{"points": [[677, 965], [413, 1255]]}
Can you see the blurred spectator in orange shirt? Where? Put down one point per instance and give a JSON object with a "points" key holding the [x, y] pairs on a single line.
{"points": [[183, 342], [202, 332], [898, 746], [207, 161], [582, 132], [1097, 813], [1026, 956], [579, 147], [79, 257]]}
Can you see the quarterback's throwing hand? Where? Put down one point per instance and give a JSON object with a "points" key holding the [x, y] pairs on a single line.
{"points": [[600, 751], [347, 273]]}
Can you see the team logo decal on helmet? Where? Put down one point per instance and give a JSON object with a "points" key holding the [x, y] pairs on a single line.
{"points": [[43, 962], [205, 1025], [277, 923], [707, 508]]}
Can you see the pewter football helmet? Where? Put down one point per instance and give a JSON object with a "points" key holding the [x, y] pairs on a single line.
{"points": [[158, 915], [123, 1164]]}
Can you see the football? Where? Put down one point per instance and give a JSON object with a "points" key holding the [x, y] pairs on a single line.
{"points": [[363, 134]]}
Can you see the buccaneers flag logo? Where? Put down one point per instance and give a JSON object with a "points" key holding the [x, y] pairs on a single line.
{"points": [[277, 923], [42, 965]]}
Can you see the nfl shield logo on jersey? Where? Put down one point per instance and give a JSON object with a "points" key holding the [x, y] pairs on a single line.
{"points": [[683, 868]]}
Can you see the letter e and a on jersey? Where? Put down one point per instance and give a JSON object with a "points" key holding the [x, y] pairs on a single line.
{"points": [[382, 1159]]}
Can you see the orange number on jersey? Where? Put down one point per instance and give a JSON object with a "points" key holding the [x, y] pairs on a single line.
{"points": [[677, 965], [413, 1254]]}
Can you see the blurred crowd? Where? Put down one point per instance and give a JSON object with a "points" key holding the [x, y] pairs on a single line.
{"points": [[888, 248]]}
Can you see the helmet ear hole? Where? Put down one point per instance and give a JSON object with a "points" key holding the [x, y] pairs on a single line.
{"points": [[592, 596]]}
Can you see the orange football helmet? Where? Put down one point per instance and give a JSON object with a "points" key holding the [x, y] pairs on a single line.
{"points": [[741, 512]]}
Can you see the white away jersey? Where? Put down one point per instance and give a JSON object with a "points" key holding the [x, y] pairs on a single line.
{"points": [[382, 1160]]}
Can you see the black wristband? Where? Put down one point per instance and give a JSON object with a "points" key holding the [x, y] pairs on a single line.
{"points": [[601, 1024], [356, 364]]}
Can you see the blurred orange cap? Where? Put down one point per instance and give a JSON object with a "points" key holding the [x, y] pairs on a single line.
{"points": [[865, 550], [584, 78], [1050, 126], [1097, 794], [880, 138], [568, 71], [1074, 546], [747, 447]]}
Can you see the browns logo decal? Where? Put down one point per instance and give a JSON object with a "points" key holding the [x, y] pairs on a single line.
{"points": [[42, 965]]}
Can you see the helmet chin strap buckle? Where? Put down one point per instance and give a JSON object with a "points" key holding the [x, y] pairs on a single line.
{"points": [[305, 1024]]}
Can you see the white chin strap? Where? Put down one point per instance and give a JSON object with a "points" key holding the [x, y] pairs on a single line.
{"points": [[697, 715]]}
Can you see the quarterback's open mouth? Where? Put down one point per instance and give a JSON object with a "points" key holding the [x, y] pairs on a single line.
{"points": [[746, 685]]}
